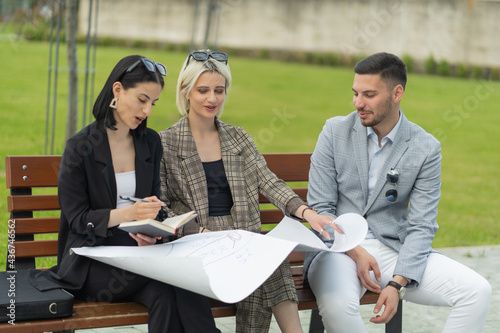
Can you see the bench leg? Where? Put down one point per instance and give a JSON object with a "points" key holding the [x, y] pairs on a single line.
{"points": [[316, 325], [396, 323]]}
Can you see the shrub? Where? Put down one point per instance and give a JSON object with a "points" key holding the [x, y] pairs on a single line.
{"points": [[139, 44], [495, 74], [264, 53], [332, 59], [33, 24], [169, 47], [319, 58], [462, 70], [408, 60], [105, 41], [309, 57], [443, 68], [430, 65], [477, 72]]}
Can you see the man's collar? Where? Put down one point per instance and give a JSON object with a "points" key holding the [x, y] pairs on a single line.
{"points": [[392, 134]]}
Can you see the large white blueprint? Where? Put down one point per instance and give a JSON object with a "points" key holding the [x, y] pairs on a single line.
{"points": [[224, 265]]}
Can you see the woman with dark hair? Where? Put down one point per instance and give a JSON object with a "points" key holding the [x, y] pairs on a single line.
{"points": [[117, 155]]}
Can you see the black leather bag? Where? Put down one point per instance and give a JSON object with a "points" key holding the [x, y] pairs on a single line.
{"points": [[20, 301]]}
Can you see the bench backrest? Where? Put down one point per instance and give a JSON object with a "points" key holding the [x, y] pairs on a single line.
{"points": [[27, 177], [32, 210]]}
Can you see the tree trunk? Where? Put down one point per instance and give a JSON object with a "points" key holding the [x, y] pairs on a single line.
{"points": [[71, 14]]}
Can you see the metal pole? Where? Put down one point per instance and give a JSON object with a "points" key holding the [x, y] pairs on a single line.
{"points": [[195, 24], [71, 12], [217, 11], [47, 113], [94, 59], [87, 58], [55, 77], [209, 23]]}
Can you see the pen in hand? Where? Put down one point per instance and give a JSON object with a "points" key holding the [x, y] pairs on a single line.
{"points": [[124, 197]]}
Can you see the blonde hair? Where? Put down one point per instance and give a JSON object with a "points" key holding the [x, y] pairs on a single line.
{"points": [[190, 74]]}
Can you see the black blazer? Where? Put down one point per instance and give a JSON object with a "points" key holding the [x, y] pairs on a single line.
{"points": [[87, 193]]}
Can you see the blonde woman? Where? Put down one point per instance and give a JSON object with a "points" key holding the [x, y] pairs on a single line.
{"points": [[215, 169]]}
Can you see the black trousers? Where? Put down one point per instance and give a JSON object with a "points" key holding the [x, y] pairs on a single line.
{"points": [[170, 309]]}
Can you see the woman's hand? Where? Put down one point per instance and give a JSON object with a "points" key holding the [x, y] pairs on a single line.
{"points": [[318, 222], [140, 210], [143, 240], [146, 210]]}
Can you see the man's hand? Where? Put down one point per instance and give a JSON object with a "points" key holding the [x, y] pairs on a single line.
{"points": [[389, 297], [365, 263]]}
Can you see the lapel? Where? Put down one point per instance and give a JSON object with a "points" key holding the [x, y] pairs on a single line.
{"points": [[102, 157], [399, 147], [192, 168], [144, 169], [361, 154], [234, 166]]}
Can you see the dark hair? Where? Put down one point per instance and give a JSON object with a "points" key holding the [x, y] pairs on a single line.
{"points": [[392, 70], [102, 112]]}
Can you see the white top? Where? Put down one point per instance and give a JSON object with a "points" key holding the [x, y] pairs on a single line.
{"points": [[125, 185]]}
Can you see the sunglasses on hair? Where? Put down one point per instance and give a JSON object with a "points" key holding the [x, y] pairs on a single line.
{"points": [[150, 65], [203, 56], [393, 178]]}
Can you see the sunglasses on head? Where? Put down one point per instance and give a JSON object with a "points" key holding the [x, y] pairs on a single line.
{"points": [[150, 65], [393, 178], [204, 55]]}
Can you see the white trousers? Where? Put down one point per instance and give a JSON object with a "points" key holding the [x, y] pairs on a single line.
{"points": [[333, 279]]}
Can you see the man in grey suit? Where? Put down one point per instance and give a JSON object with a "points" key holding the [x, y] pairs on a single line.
{"points": [[376, 163]]}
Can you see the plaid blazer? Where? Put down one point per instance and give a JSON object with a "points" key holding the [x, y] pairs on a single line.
{"points": [[184, 186]]}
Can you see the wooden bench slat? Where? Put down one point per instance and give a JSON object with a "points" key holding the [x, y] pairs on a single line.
{"points": [[32, 171], [22, 203], [37, 225], [293, 167], [296, 258], [34, 249], [271, 216], [86, 315]]}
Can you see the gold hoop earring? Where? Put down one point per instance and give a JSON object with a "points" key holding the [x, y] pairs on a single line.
{"points": [[113, 103]]}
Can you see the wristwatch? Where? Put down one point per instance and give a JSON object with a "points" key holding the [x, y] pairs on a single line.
{"points": [[401, 289]]}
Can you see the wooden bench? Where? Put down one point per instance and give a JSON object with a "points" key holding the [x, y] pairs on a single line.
{"points": [[27, 176]]}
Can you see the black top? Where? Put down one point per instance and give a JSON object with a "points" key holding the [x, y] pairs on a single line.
{"points": [[220, 199]]}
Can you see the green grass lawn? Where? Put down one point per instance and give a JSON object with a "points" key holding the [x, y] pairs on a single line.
{"points": [[283, 106]]}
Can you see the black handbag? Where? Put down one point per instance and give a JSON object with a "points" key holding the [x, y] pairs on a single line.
{"points": [[19, 300]]}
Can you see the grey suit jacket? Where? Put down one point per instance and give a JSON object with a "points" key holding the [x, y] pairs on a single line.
{"points": [[338, 184]]}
